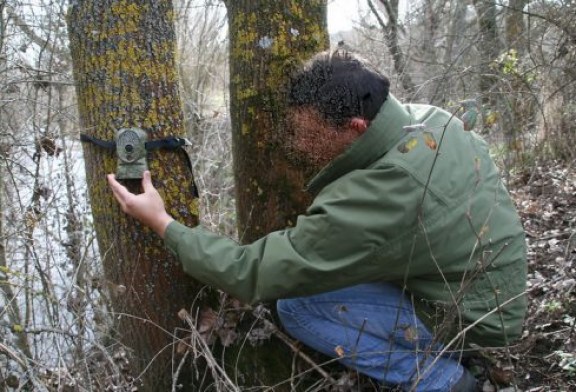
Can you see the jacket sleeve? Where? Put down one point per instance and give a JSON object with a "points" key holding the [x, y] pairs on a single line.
{"points": [[334, 245]]}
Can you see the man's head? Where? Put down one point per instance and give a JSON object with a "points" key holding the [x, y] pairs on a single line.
{"points": [[340, 86], [331, 101]]}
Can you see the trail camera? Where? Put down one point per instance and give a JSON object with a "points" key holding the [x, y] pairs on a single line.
{"points": [[131, 150]]}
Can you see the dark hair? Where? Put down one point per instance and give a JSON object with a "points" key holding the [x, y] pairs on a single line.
{"points": [[340, 86]]}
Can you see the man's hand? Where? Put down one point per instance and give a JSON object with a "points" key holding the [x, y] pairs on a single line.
{"points": [[147, 207]]}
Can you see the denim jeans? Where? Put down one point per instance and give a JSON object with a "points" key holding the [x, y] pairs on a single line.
{"points": [[372, 328]]}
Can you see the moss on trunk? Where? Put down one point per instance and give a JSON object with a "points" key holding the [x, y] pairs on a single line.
{"points": [[124, 68], [268, 39]]}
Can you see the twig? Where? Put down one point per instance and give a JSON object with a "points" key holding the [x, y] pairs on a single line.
{"points": [[285, 339], [179, 369], [556, 235], [571, 240], [217, 371], [463, 332], [14, 356]]}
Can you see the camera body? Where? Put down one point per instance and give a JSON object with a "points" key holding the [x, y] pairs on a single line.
{"points": [[131, 151]]}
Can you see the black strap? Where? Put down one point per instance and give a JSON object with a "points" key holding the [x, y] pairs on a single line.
{"points": [[99, 142], [168, 143]]}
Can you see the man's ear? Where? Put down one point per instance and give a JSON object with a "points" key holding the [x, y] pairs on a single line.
{"points": [[359, 124]]}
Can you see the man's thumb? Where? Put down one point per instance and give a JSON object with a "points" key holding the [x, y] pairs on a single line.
{"points": [[147, 182]]}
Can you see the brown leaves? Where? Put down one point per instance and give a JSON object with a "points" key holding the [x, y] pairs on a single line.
{"points": [[412, 142], [48, 145], [212, 325], [207, 323], [545, 196], [501, 376]]}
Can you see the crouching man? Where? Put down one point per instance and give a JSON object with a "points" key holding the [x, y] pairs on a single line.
{"points": [[411, 250]]}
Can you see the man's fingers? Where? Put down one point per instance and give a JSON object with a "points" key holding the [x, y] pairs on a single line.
{"points": [[147, 182], [119, 191]]}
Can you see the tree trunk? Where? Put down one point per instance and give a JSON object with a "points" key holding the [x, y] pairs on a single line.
{"points": [[515, 28], [267, 40], [125, 74], [488, 47]]}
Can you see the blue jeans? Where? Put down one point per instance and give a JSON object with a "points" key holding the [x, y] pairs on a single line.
{"points": [[372, 328]]}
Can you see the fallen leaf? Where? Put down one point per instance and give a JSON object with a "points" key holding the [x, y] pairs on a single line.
{"points": [[339, 351], [227, 336], [501, 376], [411, 334], [208, 321]]}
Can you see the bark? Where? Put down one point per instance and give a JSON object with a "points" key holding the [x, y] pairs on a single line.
{"points": [[267, 40], [515, 28], [488, 47], [125, 74]]}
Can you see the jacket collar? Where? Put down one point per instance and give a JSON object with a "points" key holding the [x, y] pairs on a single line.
{"points": [[385, 131]]}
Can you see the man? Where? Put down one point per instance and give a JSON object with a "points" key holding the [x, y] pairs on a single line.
{"points": [[411, 250]]}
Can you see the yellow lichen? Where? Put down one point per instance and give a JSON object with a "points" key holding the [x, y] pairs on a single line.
{"points": [[246, 93]]}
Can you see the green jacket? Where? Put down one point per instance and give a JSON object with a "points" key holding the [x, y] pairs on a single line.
{"points": [[425, 210]]}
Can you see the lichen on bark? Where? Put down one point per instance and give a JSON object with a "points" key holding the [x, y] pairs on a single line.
{"points": [[124, 69]]}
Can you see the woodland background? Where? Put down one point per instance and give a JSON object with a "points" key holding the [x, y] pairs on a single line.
{"points": [[57, 328]]}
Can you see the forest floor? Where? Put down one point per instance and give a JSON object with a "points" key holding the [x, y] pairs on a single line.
{"points": [[545, 358]]}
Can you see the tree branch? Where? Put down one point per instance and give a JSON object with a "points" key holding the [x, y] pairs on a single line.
{"points": [[35, 38]]}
